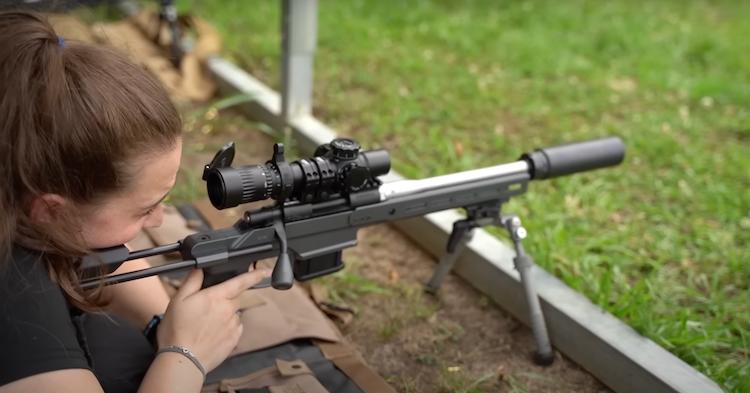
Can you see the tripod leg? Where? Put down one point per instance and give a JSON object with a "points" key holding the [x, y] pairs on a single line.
{"points": [[447, 262], [523, 262]]}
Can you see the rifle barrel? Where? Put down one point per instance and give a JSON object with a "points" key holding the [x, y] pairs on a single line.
{"points": [[406, 187]]}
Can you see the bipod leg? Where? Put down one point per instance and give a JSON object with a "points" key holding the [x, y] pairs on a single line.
{"points": [[449, 259], [523, 263]]}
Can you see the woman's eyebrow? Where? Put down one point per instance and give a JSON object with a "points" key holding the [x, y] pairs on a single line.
{"points": [[160, 201]]}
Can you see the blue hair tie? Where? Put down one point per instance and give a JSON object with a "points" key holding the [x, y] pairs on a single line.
{"points": [[60, 42]]}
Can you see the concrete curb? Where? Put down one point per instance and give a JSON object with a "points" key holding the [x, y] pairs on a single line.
{"points": [[606, 347]]}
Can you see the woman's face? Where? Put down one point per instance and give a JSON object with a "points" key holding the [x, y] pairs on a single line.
{"points": [[119, 220]]}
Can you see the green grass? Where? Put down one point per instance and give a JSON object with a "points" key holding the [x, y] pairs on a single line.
{"points": [[663, 241]]}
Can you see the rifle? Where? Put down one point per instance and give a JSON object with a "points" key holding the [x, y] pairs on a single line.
{"points": [[321, 203]]}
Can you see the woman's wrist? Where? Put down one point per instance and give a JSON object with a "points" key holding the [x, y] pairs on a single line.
{"points": [[185, 352], [172, 372]]}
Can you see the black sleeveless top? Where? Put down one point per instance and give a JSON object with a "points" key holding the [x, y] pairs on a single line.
{"points": [[41, 332]]}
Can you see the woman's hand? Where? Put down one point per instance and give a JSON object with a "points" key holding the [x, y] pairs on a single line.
{"points": [[206, 321]]}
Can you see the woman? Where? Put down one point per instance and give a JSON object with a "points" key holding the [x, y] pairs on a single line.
{"points": [[90, 145]]}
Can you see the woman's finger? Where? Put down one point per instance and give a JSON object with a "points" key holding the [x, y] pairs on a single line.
{"points": [[235, 302], [191, 285], [233, 287]]}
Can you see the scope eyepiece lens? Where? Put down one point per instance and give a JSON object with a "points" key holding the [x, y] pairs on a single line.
{"points": [[216, 186]]}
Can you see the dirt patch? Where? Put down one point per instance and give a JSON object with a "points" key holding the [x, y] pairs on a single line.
{"points": [[418, 342], [419, 338]]}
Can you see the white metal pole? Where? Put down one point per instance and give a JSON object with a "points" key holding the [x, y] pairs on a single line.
{"points": [[298, 43]]}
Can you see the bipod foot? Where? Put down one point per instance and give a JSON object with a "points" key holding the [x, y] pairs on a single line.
{"points": [[544, 359], [544, 355]]}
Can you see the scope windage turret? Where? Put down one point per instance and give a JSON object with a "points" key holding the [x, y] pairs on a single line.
{"points": [[338, 167]]}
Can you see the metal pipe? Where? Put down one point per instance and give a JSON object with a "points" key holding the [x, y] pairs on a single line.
{"points": [[299, 28]]}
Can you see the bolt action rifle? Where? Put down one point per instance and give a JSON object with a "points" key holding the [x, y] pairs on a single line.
{"points": [[321, 203]]}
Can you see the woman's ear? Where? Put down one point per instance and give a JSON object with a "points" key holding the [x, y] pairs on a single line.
{"points": [[43, 207]]}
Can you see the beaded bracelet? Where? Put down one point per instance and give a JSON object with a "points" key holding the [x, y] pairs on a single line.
{"points": [[188, 354]]}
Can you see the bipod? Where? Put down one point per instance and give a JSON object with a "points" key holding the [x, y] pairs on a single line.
{"points": [[461, 235]]}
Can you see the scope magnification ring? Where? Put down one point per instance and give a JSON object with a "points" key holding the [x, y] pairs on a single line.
{"points": [[267, 181]]}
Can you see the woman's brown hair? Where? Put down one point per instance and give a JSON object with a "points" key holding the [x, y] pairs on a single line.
{"points": [[74, 118]]}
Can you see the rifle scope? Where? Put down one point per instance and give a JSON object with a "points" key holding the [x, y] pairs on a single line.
{"points": [[337, 167]]}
